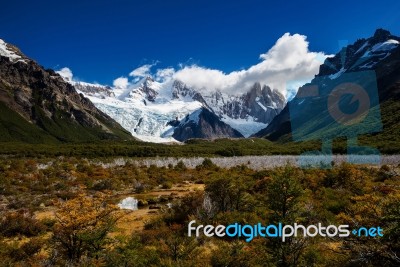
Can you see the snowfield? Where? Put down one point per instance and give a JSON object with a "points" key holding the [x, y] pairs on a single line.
{"points": [[147, 122]]}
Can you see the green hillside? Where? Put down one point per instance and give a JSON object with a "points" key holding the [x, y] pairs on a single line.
{"points": [[13, 127]]}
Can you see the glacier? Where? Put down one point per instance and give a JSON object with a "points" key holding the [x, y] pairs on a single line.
{"points": [[147, 108]]}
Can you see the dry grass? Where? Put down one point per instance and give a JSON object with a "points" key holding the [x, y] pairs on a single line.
{"points": [[132, 221]]}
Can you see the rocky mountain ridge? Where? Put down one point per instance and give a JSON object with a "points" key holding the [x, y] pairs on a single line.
{"points": [[39, 102]]}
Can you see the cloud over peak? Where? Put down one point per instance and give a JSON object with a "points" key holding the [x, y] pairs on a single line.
{"points": [[142, 71], [285, 66], [287, 61], [121, 83], [66, 74]]}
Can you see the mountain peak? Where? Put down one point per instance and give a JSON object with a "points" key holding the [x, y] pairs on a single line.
{"points": [[11, 52], [365, 54], [382, 34], [256, 88], [203, 123], [148, 80]]}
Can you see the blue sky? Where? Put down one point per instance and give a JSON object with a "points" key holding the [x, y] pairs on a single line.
{"points": [[103, 40]]}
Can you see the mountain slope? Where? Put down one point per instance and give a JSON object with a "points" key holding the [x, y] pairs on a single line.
{"points": [[377, 56], [203, 124], [249, 112], [40, 106]]}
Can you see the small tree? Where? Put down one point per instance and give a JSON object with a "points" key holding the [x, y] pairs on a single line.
{"points": [[180, 166], [227, 193], [82, 226], [283, 195], [207, 164], [283, 198], [369, 210]]}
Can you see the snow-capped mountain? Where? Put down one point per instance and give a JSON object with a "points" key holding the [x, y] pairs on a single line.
{"points": [[249, 112], [95, 90], [143, 110], [152, 111], [364, 54], [379, 53]]}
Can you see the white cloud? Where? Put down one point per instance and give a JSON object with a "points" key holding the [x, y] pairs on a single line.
{"points": [[287, 61], [66, 73], [164, 74], [121, 83], [286, 66], [142, 71]]}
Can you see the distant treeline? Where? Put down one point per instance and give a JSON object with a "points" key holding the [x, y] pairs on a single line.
{"points": [[192, 148]]}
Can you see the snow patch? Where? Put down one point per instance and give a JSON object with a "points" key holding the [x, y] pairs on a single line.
{"points": [[262, 106], [385, 46], [301, 102], [362, 47], [337, 74], [381, 49], [194, 117], [5, 52], [246, 127], [368, 65]]}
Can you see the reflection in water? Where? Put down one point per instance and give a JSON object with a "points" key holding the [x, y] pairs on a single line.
{"points": [[129, 203]]}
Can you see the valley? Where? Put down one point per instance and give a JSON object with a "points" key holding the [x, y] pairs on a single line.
{"points": [[99, 175]]}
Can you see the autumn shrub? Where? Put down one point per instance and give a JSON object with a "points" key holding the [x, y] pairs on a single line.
{"points": [[182, 209], [140, 187], [173, 244], [228, 193], [384, 173], [166, 185], [133, 253], [5, 185], [333, 201], [65, 194], [33, 246], [82, 226], [350, 177], [20, 222], [231, 254], [373, 210], [105, 184], [10, 253]]}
